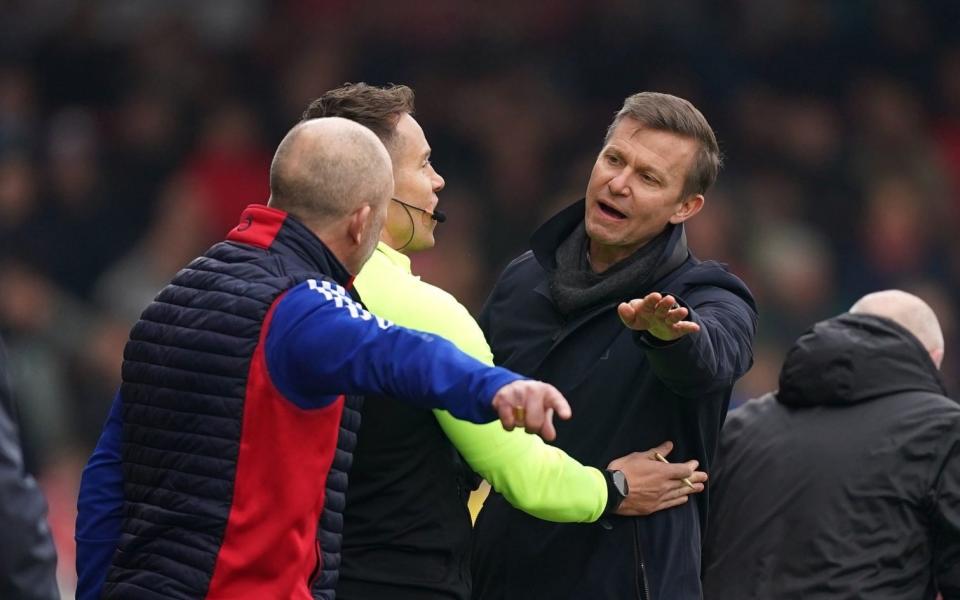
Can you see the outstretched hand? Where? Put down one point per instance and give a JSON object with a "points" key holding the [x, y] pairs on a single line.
{"points": [[657, 314], [654, 485], [531, 405]]}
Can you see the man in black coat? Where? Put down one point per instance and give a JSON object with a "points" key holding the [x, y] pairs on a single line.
{"points": [[845, 483], [645, 341], [28, 560]]}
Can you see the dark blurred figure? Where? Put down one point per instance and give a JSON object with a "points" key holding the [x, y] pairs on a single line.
{"points": [[230, 165], [28, 561], [844, 483], [79, 207]]}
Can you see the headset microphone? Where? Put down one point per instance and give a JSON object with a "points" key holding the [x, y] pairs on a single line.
{"points": [[437, 215]]}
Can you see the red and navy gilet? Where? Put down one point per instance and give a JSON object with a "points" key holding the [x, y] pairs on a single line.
{"points": [[212, 461]]}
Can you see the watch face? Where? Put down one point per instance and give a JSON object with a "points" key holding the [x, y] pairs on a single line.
{"points": [[620, 481]]}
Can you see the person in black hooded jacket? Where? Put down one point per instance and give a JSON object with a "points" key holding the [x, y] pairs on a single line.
{"points": [[845, 483]]}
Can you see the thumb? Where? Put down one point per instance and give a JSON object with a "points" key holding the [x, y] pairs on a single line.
{"points": [[664, 449]]}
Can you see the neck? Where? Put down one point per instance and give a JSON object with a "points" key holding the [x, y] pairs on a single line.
{"points": [[602, 257], [387, 239]]}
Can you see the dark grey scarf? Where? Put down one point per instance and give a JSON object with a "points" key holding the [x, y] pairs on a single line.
{"points": [[574, 285]]}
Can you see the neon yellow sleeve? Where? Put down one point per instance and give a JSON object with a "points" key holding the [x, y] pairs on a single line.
{"points": [[537, 478]]}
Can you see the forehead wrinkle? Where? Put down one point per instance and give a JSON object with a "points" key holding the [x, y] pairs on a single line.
{"points": [[638, 162], [683, 159]]}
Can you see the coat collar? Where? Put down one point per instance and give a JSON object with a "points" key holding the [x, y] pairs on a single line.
{"points": [[550, 235], [399, 259], [278, 231]]}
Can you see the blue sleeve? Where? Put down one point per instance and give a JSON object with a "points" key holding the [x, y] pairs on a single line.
{"points": [[100, 508], [321, 343]]}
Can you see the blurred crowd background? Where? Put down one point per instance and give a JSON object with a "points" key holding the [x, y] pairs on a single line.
{"points": [[132, 133]]}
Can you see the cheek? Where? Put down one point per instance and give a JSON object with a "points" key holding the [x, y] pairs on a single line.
{"points": [[596, 179]]}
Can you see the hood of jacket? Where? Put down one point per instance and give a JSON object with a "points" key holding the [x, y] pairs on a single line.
{"points": [[854, 358]]}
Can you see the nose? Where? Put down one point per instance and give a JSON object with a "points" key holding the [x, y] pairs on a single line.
{"points": [[438, 181], [618, 184]]}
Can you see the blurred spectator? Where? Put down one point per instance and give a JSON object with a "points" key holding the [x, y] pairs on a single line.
{"points": [[230, 166], [72, 248], [179, 231], [898, 237], [19, 203], [947, 129], [795, 272], [18, 110]]}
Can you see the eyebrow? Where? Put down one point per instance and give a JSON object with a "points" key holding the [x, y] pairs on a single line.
{"points": [[642, 167]]}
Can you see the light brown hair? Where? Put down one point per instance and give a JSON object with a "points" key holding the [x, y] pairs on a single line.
{"points": [[663, 112], [376, 108]]}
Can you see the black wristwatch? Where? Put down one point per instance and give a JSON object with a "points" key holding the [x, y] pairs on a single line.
{"points": [[617, 490]]}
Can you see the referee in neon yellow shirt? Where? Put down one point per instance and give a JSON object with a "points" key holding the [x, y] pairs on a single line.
{"points": [[406, 525]]}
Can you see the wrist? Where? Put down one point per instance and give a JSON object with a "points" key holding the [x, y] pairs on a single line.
{"points": [[617, 489]]}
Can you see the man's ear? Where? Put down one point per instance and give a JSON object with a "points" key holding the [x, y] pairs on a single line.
{"points": [[690, 206], [358, 222], [937, 356]]}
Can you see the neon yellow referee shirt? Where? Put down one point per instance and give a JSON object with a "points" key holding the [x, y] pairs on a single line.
{"points": [[537, 478]]}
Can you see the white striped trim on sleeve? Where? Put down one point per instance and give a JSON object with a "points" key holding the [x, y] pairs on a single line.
{"points": [[338, 295]]}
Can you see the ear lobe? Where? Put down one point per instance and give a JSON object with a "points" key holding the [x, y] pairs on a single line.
{"points": [[359, 221], [690, 206], [937, 356]]}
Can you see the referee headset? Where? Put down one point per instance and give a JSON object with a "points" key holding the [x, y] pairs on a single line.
{"points": [[437, 215]]}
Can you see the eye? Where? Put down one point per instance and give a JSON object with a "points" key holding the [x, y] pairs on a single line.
{"points": [[427, 163], [648, 178], [613, 159]]}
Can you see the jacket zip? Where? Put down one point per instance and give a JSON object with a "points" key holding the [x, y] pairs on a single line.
{"points": [[641, 578]]}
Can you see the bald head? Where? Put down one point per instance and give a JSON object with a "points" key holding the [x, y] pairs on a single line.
{"points": [[910, 312], [324, 169]]}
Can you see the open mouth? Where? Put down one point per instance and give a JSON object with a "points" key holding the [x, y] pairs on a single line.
{"points": [[610, 211]]}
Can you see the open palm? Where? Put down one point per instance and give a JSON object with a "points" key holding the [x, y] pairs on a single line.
{"points": [[657, 314]]}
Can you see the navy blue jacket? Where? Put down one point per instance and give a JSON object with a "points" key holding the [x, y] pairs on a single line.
{"points": [[228, 419], [629, 392]]}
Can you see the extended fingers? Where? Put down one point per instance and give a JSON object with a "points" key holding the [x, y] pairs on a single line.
{"points": [[533, 410], [664, 306], [649, 303], [504, 404], [531, 405], [555, 402], [627, 312], [675, 315], [685, 327]]}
